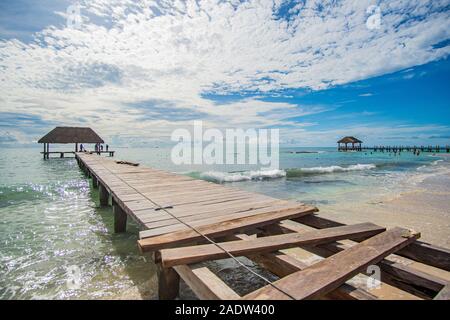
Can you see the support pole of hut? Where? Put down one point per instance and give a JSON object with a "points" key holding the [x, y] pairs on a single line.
{"points": [[120, 218], [76, 147], [44, 151], [104, 195], [168, 283]]}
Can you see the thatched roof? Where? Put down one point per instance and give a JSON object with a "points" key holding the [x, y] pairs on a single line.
{"points": [[349, 140], [71, 135]]}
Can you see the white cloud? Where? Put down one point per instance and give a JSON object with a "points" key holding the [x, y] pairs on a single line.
{"points": [[126, 52]]}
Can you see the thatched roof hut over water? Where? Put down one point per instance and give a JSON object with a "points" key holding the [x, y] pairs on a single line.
{"points": [[71, 135], [355, 144], [74, 135], [349, 140]]}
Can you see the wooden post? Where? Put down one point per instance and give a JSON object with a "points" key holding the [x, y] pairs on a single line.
{"points": [[76, 147], [120, 218], [168, 282], [104, 195], [44, 150], [94, 182]]}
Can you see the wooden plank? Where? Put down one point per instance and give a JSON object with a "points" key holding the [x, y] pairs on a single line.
{"points": [[205, 284], [428, 254], [394, 273], [194, 254], [282, 265], [243, 212], [329, 274], [223, 228], [419, 251], [211, 214]]}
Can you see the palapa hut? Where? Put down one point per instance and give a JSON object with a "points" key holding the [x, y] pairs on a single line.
{"points": [[66, 135], [344, 142]]}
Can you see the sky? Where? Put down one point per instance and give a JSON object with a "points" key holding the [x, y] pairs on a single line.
{"points": [[135, 71]]}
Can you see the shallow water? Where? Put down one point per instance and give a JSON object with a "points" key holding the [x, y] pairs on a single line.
{"points": [[56, 242]]}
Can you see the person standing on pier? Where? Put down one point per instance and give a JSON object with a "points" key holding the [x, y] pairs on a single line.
{"points": [[107, 147]]}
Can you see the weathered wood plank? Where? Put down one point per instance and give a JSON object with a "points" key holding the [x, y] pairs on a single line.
{"points": [[225, 227], [194, 254], [329, 274], [419, 251], [394, 273], [205, 284], [282, 265], [242, 212]]}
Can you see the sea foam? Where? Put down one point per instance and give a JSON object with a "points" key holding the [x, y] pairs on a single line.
{"points": [[330, 169], [242, 176]]}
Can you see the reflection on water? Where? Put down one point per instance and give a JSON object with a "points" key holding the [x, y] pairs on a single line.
{"points": [[50, 221]]}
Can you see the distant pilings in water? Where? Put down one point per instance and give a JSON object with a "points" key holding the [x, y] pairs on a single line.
{"points": [[414, 149]]}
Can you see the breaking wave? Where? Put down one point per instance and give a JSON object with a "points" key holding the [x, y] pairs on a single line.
{"points": [[331, 169], [257, 175], [218, 176]]}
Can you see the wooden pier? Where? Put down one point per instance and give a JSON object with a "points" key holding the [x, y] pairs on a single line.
{"points": [[62, 154], [185, 221], [400, 149]]}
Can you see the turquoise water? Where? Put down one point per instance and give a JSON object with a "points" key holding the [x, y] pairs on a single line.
{"points": [[51, 221]]}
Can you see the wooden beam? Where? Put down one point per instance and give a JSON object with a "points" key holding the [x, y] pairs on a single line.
{"points": [[419, 251], [428, 254], [205, 284], [194, 254], [394, 273], [329, 274], [222, 228], [282, 265]]}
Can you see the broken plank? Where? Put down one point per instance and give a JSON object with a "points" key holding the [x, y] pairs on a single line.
{"points": [[419, 251], [329, 274], [194, 254], [282, 265], [395, 273]]}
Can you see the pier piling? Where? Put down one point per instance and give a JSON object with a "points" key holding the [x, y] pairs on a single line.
{"points": [[103, 195], [168, 283], [94, 182], [120, 218]]}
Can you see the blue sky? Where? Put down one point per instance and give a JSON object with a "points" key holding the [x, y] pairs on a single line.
{"points": [[135, 71]]}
